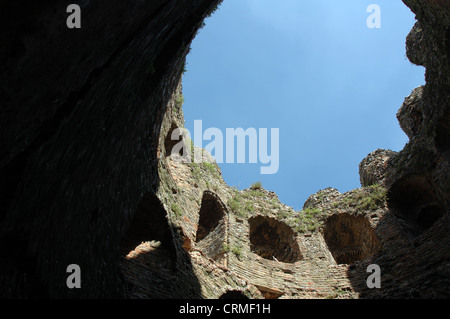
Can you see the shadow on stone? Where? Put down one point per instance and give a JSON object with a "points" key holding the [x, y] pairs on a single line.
{"points": [[270, 238], [153, 261]]}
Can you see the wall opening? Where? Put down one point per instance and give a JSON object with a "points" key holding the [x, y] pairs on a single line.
{"points": [[170, 143], [428, 215], [350, 238], [211, 231], [413, 200], [147, 249], [233, 294], [273, 240]]}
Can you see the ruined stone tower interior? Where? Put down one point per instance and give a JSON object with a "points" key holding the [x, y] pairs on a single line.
{"points": [[87, 175]]}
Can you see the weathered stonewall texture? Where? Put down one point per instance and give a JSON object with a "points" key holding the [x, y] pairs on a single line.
{"points": [[87, 176], [372, 169], [81, 111]]}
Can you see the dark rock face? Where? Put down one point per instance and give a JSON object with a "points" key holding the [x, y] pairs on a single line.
{"points": [[80, 116], [424, 114], [418, 177], [81, 112]]}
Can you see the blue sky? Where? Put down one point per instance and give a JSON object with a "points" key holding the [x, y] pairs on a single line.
{"points": [[311, 68]]}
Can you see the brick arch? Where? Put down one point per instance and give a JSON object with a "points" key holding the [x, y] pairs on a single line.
{"points": [[233, 294], [212, 226], [170, 143], [350, 238], [414, 200], [147, 248], [273, 239]]}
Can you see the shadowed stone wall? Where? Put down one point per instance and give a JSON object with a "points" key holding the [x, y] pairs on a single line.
{"points": [[84, 115]]}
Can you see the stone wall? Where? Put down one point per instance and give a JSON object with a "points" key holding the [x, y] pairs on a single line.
{"points": [[86, 175], [81, 112]]}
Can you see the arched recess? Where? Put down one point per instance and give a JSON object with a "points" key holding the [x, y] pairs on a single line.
{"points": [[171, 141], [350, 238], [413, 199], [273, 240], [233, 294], [212, 226], [147, 248]]}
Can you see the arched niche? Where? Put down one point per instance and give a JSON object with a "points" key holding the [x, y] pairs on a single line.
{"points": [[273, 240], [147, 249], [413, 199], [350, 238], [211, 230], [174, 136], [233, 294]]}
